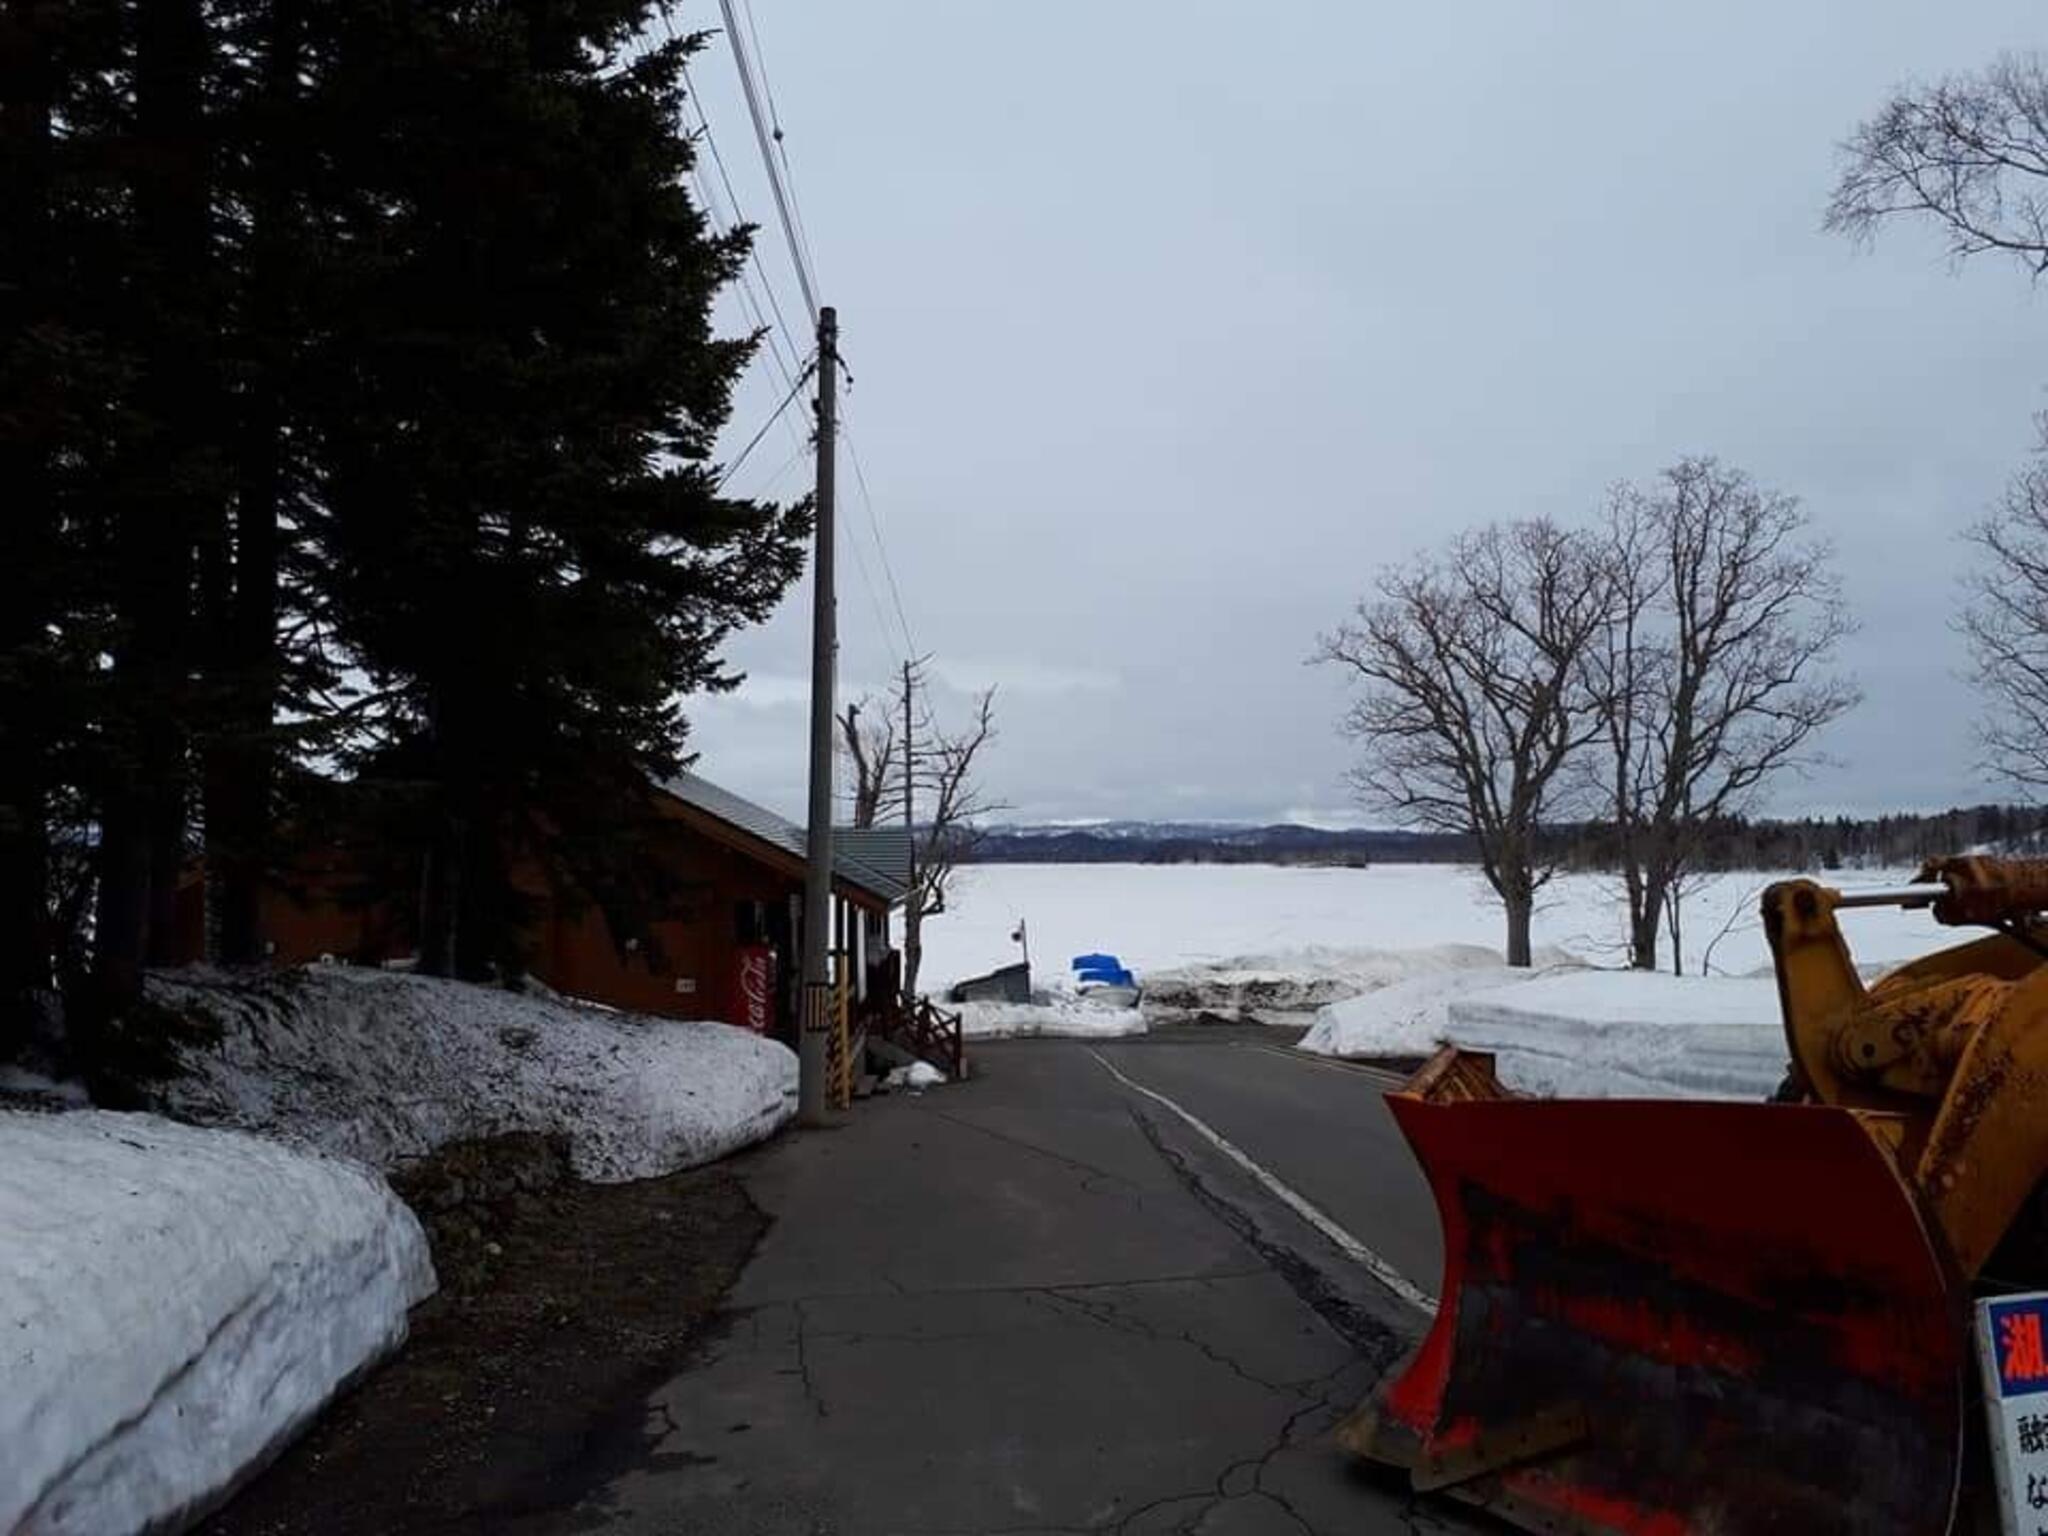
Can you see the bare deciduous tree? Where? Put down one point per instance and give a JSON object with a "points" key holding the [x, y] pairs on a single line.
{"points": [[950, 809], [1709, 674], [867, 741], [1473, 696], [947, 804], [2006, 624], [1970, 152]]}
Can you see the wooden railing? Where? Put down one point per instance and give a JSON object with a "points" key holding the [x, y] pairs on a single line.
{"points": [[934, 1034]]}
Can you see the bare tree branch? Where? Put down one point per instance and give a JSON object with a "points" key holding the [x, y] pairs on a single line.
{"points": [[867, 742], [2005, 623], [1471, 697], [1709, 678], [1970, 152]]}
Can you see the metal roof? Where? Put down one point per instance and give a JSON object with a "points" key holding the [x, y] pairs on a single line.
{"points": [[885, 850], [852, 850]]}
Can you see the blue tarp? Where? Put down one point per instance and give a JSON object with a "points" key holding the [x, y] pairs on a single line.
{"points": [[1103, 968]]}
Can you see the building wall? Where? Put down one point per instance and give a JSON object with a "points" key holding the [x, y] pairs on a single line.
{"points": [[719, 897]]}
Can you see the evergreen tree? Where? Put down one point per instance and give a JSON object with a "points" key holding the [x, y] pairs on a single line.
{"points": [[529, 555]]}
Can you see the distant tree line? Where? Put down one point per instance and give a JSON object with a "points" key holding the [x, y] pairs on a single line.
{"points": [[1896, 841], [358, 389]]}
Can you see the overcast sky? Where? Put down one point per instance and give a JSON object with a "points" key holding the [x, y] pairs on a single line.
{"points": [[1169, 324]]}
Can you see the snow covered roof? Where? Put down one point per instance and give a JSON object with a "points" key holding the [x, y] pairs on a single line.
{"points": [[887, 876]]}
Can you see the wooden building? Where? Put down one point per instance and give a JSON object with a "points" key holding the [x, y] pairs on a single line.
{"points": [[725, 944]]}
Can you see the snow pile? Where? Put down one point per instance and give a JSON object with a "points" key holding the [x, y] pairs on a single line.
{"points": [[1059, 1014], [384, 1066], [174, 1303], [1289, 983], [1622, 1034], [1600, 1034], [916, 1077], [1409, 1017]]}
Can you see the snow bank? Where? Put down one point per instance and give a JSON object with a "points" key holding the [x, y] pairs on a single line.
{"points": [[1601, 1034], [175, 1303], [1408, 1017], [384, 1067], [1058, 1015], [1621, 1034], [1289, 983]]}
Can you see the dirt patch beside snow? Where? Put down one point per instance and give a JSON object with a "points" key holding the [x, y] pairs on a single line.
{"points": [[525, 1383]]}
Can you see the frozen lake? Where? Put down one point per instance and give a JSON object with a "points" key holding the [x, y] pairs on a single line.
{"points": [[1161, 916]]}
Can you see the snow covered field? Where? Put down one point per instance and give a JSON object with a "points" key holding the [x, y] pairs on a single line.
{"points": [[174, 1303], [1390, 961], [1160, 917], [384, 1066]]}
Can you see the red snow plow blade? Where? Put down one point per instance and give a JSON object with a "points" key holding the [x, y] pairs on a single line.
{"points": [[1663, 1318]]}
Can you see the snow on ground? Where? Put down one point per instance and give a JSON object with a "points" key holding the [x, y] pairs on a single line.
{"points": [[384, 1066], [1625, 1034], [1286, 985], [174, 1303], [916, 1077], [1407, 1017], [1059, 1014], [1163, 917], [1603, 1034], [1399, 956]]}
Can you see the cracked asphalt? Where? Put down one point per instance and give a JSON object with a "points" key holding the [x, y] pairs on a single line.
{"points": [[1036, 1303]]}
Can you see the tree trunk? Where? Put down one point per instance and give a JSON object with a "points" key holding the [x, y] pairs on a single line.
{"points": [[441, 897], [25, 947], [1644, 923], [1521, 910], [144, 819], [242, 773], [913, 947]]}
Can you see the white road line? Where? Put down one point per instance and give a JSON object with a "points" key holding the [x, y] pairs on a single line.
{"points": [[1350, 1246]]}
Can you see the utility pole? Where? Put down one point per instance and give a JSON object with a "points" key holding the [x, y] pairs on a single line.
{"points": [[912, 928], [816, 1027]]}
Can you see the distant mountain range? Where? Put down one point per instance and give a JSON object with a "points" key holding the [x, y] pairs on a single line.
{"points": [[1815, 842], [1183, 842]]}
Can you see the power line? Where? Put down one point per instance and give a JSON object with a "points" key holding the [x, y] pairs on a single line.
{"points": [[794, 389], [867, 501], [775, 183], [769, 138], [775, 126], [732, 199]]}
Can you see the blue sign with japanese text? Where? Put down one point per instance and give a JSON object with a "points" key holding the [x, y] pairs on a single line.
{"points": [[2018, 1328], [2012, 1345]]}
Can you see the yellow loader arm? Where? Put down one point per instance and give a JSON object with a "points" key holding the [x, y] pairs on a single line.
{"points": [[1953, 1049]]}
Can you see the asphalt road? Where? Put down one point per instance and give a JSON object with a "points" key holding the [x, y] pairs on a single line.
{"points": [[1043, 1302]]}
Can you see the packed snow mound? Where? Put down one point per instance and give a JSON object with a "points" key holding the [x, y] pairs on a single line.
{"points": [[174, 1304], [1410, 1017], [916, 1077], [386, 1067], [1630, 1034], [1289, 983], [1059, 1015], [1579, 1033]]}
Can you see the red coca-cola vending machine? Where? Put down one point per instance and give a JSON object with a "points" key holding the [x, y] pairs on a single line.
{"points": [[753, 993]]}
